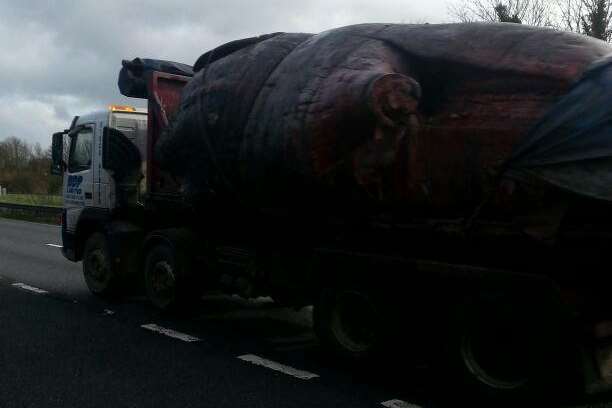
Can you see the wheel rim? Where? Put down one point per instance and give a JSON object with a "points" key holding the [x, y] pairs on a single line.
{"points": [[499, 356], [163, 283], [97, 271], [353, 322]]}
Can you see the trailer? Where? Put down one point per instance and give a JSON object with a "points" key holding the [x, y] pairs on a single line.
{"points": [[414, 201]]}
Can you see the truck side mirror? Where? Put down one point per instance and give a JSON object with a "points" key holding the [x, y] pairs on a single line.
{"points": [[57, 154], [119, 154]]}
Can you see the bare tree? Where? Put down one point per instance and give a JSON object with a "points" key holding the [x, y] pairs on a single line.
{"points": [[504, 16], [531, 12], [14, 153], [570, 15], [24, 168], [589, 17]]}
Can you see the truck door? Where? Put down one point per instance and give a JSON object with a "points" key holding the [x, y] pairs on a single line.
{"points": [[78, 180], [100, 177]]}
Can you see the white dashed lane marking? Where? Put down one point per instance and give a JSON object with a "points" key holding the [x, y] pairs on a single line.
{"points": [[251, 358], [54, 245], [29, 288], [170, 333], [398, 404], [303, 375]]}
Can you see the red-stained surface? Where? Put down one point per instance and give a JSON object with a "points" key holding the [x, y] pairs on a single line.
{"points": [[164, 100], [452, 161]]}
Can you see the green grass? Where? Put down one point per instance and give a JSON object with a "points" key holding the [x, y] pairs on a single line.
{"points": [[32, 199]]}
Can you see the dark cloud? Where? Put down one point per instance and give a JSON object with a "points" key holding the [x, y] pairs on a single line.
{"points": [[59, 58]]}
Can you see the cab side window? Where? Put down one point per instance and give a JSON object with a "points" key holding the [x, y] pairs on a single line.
{"points": [[81, 148]]}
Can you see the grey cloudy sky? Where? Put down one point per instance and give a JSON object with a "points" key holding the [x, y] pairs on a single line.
{"points": [[60, 58]]}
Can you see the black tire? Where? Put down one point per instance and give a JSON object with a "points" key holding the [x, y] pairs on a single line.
{"points": [[101, 276], [170, 282], [506, 351], [348, 324]]}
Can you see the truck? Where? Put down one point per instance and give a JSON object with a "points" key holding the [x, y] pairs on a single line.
{"points": [[434, 190]]}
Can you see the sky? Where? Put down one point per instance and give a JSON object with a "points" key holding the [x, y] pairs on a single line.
{"points": [[60, 58]]}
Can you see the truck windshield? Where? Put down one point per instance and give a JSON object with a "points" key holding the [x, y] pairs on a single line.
{"points": [[80, 150]]}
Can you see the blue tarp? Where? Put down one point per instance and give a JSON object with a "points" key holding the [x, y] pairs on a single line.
{"points": [[571, 147]]}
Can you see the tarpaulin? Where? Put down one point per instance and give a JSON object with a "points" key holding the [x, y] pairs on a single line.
{"points": [[133, 74], [571, 147]]}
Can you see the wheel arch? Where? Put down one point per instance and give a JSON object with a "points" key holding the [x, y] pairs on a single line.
{"points": [[176, 238], [91, 220], [94, 220]]}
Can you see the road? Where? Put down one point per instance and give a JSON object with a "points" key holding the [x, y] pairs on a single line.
{"points": [[62, 347]]}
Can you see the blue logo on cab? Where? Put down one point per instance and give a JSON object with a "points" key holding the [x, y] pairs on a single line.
{"points": [[74, 185]]}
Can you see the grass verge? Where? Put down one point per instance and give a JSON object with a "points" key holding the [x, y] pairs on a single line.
{"points": [[30, 218], [32, 199]]}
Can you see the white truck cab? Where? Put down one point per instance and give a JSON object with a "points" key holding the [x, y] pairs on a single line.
{"points": [[116, 196], [89, 185]]}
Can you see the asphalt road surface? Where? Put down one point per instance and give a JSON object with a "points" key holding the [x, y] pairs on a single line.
{"points": [[62, 347]]}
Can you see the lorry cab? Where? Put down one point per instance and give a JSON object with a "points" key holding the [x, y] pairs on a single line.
{"points": [[105, 158], [89, 186]]}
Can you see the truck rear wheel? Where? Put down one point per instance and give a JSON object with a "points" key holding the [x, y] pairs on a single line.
{"points": [[347, 322], [101, 277], [507, 351], [169, 278]]}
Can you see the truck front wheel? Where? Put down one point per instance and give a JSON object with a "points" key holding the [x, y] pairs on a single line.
{"points": [[169, 278], [100, 276]]}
